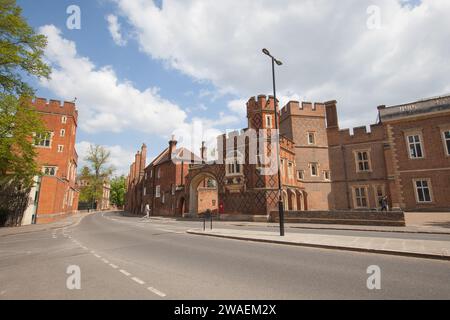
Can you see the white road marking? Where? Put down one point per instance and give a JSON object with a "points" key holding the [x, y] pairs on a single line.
{"points": [[113, 266], [97, 256], [85, 248], [155, 291], [125, 272], [92, 251], [138, 280], [105, 261]]}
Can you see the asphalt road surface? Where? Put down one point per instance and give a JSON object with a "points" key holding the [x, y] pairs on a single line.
{"points": [[132, 258]]}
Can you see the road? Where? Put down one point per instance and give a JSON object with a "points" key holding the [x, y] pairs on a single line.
{"points": [[131, 258]]}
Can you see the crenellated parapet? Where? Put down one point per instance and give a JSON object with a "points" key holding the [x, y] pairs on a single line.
{"points": [[55, 106], [306, 109], [360, 134]]}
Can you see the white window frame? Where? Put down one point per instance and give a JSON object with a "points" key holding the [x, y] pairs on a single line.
{"points": [[429, 187], [145, 191], [290, 170], [445, 140], [62, 132], [40, 145], [158, 191], [313, 135], [64, 119], [325, 173], [300, 175], [234, 164], [409, 144], [158, 173], [44, 169], [363, 161], [316, 165], [360, 197], [60, 148]]}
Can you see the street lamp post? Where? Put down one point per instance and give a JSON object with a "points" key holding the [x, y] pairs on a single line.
{"points": [[280, 190]]}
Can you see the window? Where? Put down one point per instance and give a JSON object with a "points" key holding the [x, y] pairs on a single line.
{"points": [[60, 148], [415, 146], [268, 121], [313, 169], [423, 190], [145, 191], [163, 198], [290, 170], [43, 139], [300, 175], [62, 133], [360, 197], [63, 119], [158, 191], [233, 164], [173, 189], [362, 161], [49, 171], [159, 173], [282, 168], [446, 136], [151, 173], [311, 138], [326, 175]]}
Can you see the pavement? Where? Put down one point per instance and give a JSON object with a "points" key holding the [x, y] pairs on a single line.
{"points": [[123, 257], [65, 222], [406, 247]]}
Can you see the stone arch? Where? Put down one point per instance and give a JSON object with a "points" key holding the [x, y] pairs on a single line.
{"points": [[285, 200], [194, 194], [292, 200], [300, 201]]}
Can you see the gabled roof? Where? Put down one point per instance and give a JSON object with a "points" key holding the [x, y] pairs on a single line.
{"points": [[180, 154]]}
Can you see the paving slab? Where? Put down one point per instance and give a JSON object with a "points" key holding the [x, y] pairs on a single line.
{"points": [[406, 247]]}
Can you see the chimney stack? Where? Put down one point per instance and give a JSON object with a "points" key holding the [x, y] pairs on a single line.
{"points": [[203, 152], [172, 146], [331, 112]]}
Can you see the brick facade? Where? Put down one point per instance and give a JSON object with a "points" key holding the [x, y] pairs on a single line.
{"points": [[57, 191], [323, 167]]}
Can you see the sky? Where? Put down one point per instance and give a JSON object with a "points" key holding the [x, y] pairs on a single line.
{"points": [[144, 70]]}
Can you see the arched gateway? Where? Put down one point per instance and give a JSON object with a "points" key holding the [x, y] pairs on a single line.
{"points": [[203, 193]]}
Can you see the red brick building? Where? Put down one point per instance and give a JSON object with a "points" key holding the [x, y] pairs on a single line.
{"points": [[233, 184], [405, 156], [56, 193]]}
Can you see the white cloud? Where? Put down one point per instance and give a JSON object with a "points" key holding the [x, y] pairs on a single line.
{"points": [[105, 102], [120, 158], [239, 107], [114, 30], [327, 49]]}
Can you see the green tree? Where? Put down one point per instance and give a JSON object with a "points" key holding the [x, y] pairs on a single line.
{"points": [[96, 172], [118, 191], [18, 123], [21, 55], [21, 51]]}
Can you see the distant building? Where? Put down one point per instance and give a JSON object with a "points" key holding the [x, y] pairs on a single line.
{"points": [[103, 204], [55, 194]]}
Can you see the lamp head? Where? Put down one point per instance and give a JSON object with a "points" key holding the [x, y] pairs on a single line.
{"points": [[265, 51]]}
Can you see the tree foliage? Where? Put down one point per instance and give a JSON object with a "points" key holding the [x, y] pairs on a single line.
{"points": [[18, 123], [118, 191], [95, 174], [21, 51]]}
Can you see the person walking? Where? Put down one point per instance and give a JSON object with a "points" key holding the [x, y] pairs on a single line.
{"points": [[147, 211], [384, 204]]}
